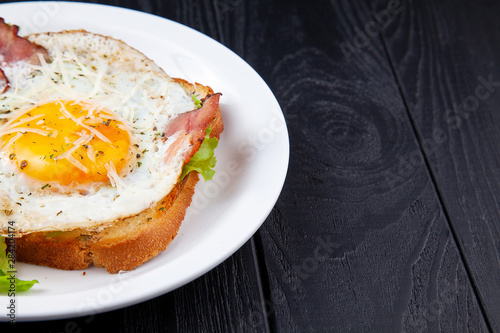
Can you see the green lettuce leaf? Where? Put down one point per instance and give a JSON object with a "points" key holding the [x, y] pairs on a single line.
{"points": [[196, 101], [4, 263], [21, 285], [203, 160]]}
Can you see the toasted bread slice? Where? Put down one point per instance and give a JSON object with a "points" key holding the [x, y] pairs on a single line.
{"points": [[128, 242]]}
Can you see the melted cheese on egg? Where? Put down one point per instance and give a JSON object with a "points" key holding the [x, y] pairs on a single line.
{"points": [[67, 143], [81, 140]]}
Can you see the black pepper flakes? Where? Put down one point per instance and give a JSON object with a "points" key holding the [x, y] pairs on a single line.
{"points": [[23, 164]]}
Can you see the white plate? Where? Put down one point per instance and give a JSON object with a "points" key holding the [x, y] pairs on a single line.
{"points": [[252, 163]]}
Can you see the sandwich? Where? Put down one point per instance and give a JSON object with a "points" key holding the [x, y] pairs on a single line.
{"points": [[100, 150]]}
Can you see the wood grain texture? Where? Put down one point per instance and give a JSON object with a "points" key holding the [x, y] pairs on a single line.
{"points": [[358, 240], [392, 264], [446, 57]]}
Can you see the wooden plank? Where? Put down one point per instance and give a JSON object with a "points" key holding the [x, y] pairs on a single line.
{"points": [[446, 56], [358, 240], [348, 247]]}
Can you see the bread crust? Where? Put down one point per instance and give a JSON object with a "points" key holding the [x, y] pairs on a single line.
{"points": [[148, 234], [127, 243]]}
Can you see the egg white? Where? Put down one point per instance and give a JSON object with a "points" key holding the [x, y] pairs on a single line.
{"points": [[108, 73]]}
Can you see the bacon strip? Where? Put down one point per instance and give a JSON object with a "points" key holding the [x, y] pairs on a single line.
{"points": [[14, 48], [4, 83], [193, 124]]}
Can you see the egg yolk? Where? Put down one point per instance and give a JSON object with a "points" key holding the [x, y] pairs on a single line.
{"points": [[67, 143]]}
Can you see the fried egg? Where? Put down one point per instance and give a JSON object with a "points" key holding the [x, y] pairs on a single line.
{"points": [[82, 137]]}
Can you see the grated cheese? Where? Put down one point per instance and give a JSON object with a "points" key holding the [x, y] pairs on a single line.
{"points": [[24, 121], [91, 153], [76, 163], [12, 140], [114, 179], [93, 120], [84, 139], [79, 122], [23, 130]]}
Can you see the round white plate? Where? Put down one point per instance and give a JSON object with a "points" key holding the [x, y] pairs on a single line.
{"points": [[252, 160]]}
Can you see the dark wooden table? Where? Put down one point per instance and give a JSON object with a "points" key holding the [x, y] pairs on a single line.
{"points": [[389, 219]]}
